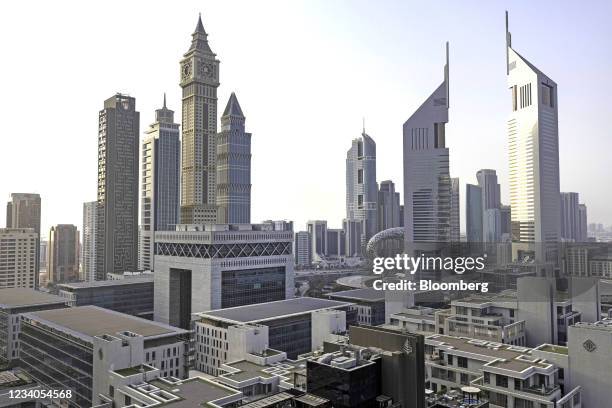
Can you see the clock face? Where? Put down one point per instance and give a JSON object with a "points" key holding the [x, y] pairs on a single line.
{"points": [[186, 70], [206, 70]]}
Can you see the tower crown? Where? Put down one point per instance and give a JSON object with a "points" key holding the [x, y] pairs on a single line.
{"points": [[199, 41]]}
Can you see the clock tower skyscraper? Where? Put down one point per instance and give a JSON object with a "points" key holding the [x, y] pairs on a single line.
{"points": [[199, 81]]}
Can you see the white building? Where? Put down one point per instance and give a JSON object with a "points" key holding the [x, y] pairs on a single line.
{"points": [[18, 258], [88, 248], [534, 159]]}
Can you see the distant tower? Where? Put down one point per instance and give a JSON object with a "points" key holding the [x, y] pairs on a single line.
{"points": [[582, 224], [388, 206], [455, 211], [23, 211], [302, 248], [233, 166], [427, 182], [534, 158], [317, 231], [199, 81], [63, 254], [117, 212], [161, 149], [361, 186], [88, 248], [569, 216], [491, 204], [473, 213]]}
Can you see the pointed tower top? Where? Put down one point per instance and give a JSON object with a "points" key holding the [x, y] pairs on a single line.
{"points": [[233, 107], [508, 45], [200, 26], [446, 75], [165, 100]]}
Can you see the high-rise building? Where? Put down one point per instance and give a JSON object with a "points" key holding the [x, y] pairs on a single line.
{"points": [[18, 257], [455, 211], [582, 231], [117, 209], [318, 239], [199, 81], [233, 166], [388, 206], [361, 186], [335, 242], [23, 211], [161, 149], [473, 213], [491, 195], [569, 216], [506, 220], [534, 158], [88, 242], [427, 183], [302, 248], [63, 254], [353, 230]]}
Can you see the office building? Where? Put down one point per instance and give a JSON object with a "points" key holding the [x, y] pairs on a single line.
{"points": [[63, 254], [42, 259], [388, 206], [589, 361], [88, 242], [336, 241], [353, 231], [12, 303], [582, 230], [369, 304], [510, 376], [302, 248], [23, 211], [94, 341], [361, 186], [491, 192], [294, 326], [569, 216], [160, 201], [18, 258], [207, 267], [233, 166], [455, 211], [534, 158], [199, 82], [473, 213], [318, 239], [132, 295], [117, 209], [506, 221], [427, 183]]}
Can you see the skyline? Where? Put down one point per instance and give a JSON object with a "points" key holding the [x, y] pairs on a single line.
{"points": [[62, 204]]}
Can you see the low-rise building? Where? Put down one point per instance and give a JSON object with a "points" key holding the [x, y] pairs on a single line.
{"points": [[368, 302], [13, 302], [132, 295], [294, 326], [75, 348]]}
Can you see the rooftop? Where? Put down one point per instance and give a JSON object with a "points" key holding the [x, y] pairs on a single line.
{"points": [[367, 294], [104, 283], [23, 297], [272, 310], [196, 392], [89, 321]]}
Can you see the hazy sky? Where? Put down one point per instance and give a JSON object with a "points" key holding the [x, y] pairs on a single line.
{"points": [[305, 73]]}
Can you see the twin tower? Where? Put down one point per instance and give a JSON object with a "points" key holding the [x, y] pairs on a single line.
{"points": [[215, 166]]}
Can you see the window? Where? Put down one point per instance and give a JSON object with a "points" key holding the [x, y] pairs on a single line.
{"points": [[360, 176], [462, 362], [547, 95], [465, 379], [514, 99], [486, 378], [501, 381], [360, 200], [449, 358]]}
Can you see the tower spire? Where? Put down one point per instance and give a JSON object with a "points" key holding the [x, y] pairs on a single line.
{"points": [[200, 26], [164, 100], [363, 125], [446, 76], [508, 45]]}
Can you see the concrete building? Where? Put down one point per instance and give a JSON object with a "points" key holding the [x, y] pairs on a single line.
{"points": [[589, 361], [582, 230], [361, 186], [473, 213], [23, 211], [353, 231], [132, 295], [160, 201], [427, 183], [94, 341], [293, 326], [63, 254], [207, 267], [88, 242], [368, 303], [18, 258], [233, 166], [510, 376], [117, 209], [318, 239], [534, 158], [455, 211], [302, 248], [335, 243], [199, 81], [12, 303], [388, 206]]}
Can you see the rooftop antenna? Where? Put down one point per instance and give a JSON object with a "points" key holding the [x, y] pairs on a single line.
{"points": [[363, 124], [508, 45], [446, 76]]}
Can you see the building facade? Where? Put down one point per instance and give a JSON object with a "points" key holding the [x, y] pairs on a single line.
{"points": [[207, 267], [473, 213], [23, 211], [160, 201], [117, 209], [388, 206], [318, 239], [199, 82], [63, 253], [455, 211], [233, 166], [427, 183], [302, 248], [88, 242], [18, 257]]}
